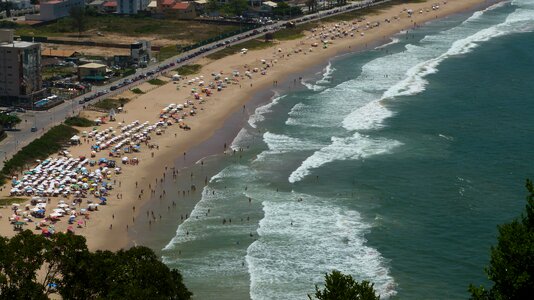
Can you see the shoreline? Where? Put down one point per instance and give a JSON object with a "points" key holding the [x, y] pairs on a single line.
{"points": [[220, 109], [315, 69]]}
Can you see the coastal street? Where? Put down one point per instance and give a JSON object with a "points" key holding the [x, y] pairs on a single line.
{"points": [[44, 120]]}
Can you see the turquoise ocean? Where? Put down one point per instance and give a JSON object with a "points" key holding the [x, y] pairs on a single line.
{"points": [[394, 165]]}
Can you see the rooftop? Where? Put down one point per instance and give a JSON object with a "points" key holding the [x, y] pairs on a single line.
{"points": [[17, 44], [58, 53], [181, 5], [110, 4], [270, 3], [92, 66]]}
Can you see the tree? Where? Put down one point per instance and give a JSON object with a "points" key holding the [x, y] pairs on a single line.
{"points": [[77, 273], [9, 121], [213, 5], [512, 260], [78, 18], [236, 7], [312, 5], [20, 258], [6, 6], [343, 287], [284, 9]]}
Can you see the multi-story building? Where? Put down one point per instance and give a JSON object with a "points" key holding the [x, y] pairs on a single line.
{"points": [[140, 52], [20, 70], [131, 7], [55, 9]]}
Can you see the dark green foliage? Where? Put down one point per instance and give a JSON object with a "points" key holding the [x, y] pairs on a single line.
{"points": [[78, 18], [284, 10], [9, 121], [235, 7], [7, 7], [339, 286], [79, 122], [8, 24], [41, 148], [512, 261], [188, 69], [78, 273], [213, 5], [11, 200], [137, 91], [127, 72], [156, 81], [108, 104]]}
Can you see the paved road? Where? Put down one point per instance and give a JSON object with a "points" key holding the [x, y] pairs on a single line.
{"points": [[44, 120]]}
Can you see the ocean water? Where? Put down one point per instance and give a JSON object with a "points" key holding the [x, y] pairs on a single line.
{"points": [[393, 165]]}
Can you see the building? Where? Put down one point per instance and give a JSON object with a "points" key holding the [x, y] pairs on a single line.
{"points": [[131, 7], [267, 7], [20, 70], [184, 10], [55, 9], [110, 7], [21, 4], [92, 72], [177, 9], [140, 52], [98, 5]]}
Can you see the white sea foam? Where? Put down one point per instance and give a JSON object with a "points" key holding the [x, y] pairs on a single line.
{"points": [[327, 75], [279, 143], [284, 143], [287, 260], [259, 113], [394, 40], [424, 60], [194, 229], [320, 84], [182, 232], [242, 139], [355, 147]]}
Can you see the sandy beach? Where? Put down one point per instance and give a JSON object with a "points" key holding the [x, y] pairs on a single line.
{"points": [[285, 61]]}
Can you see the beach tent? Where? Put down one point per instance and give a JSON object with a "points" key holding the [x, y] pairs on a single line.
{"points": [[75, 140]]}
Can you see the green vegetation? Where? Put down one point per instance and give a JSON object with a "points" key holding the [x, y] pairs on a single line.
{"points": [[78, 19], [294, 32], [134, 26], [126, 72], [250, 45], [189, 69], [51, 142], [137, 91], [343, 287], [284, 10], [167, 52], [9, 121], [234, 7], [511, 266], [108, 104], [156, 81], [11, 200], [73, 272], [53, 71], [79, 122]]}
